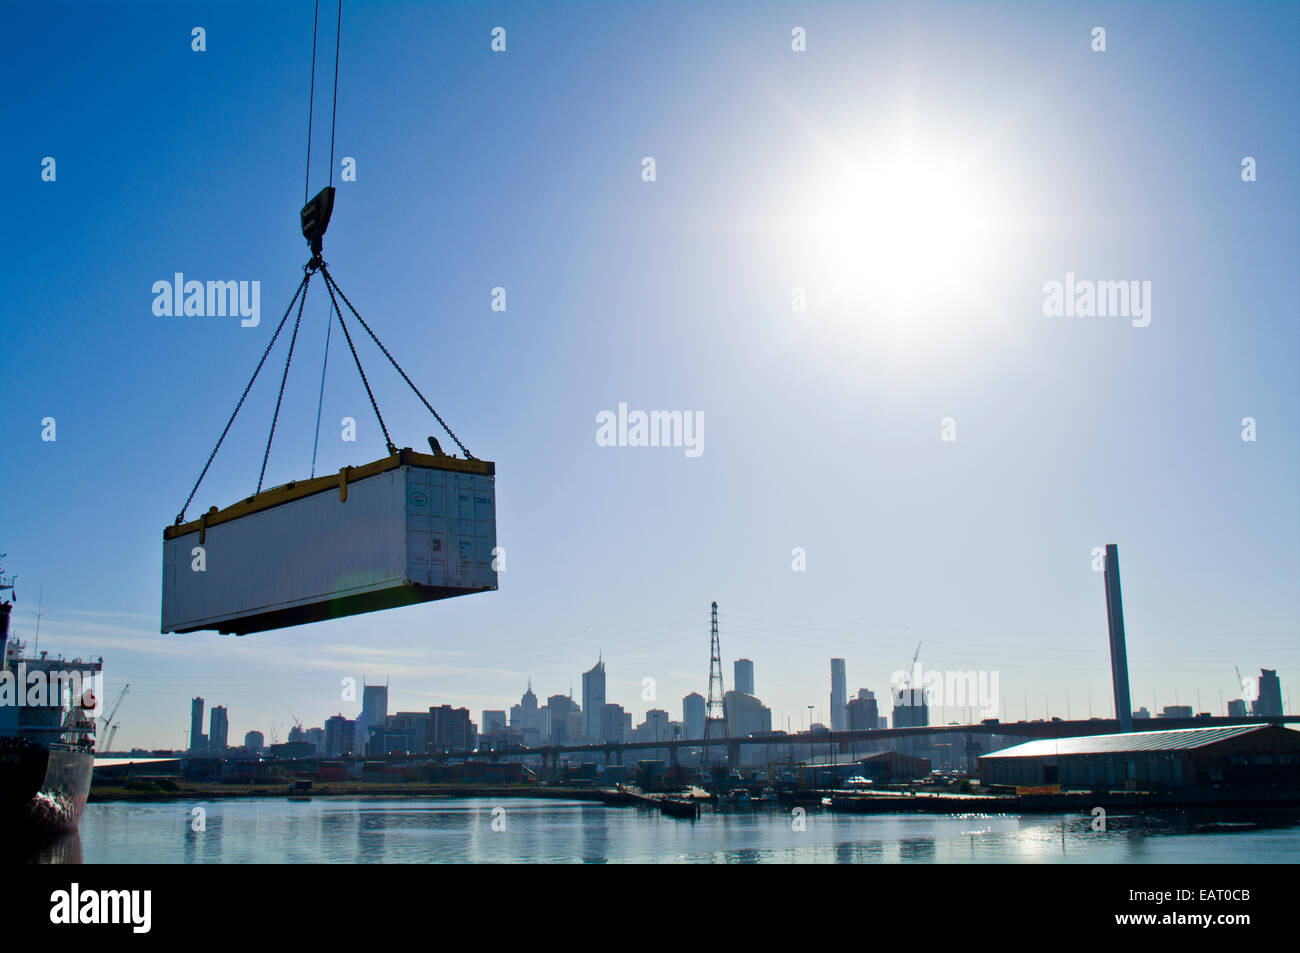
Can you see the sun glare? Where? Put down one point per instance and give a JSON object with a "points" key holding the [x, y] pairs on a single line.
{"points": [[908, 234]]}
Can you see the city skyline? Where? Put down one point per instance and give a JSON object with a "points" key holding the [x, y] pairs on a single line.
{"points": [[747, 285], [1269, 700]]}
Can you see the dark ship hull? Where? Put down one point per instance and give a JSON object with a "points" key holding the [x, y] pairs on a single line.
{"points": [[43, 789]]}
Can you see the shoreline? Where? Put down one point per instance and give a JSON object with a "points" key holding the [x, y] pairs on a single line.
{"points": [[227, 792], [1079, 803]]}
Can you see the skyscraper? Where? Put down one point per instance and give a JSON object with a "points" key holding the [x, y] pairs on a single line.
{"points": [[693, 708], [339, 736], [612, 717], [863, 712], [655, 726], [746, 715], [450, 729], [743, 670], [558, 710], [839, 695], [1269, 702], [218, 730], [198, 740], [374, 713], [526, 713], [593, 700], [910, 708]]}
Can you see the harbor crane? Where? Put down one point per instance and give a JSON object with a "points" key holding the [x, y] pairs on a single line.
{"points": [[108, 724]]}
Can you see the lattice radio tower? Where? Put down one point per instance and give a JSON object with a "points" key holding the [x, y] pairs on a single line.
{"points": [[715, 720]]}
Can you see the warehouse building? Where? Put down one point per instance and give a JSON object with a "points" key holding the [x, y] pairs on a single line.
{"points": [[1194, 757], [879, 767]]}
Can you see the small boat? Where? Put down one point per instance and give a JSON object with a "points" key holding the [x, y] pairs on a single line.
{"points": [[1222, 827], [680, 807]]}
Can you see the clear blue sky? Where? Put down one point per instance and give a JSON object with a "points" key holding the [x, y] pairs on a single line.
{"points": [[822, 428]]}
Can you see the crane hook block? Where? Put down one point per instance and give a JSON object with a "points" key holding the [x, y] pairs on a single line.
{"points": [[316, 218]]}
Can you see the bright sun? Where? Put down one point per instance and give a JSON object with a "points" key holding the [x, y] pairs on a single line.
{"points": [[892, 243], [907, 234]]}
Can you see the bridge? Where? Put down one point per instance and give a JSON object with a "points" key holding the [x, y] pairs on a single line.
{"points": [[613, 751]]}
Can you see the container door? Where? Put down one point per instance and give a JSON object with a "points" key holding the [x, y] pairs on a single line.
{"points": [[437, 527], [485, 532], [464, 570], [425, 530]]}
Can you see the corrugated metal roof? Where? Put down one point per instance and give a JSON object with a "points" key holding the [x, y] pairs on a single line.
{"points": [[1179, 740]]}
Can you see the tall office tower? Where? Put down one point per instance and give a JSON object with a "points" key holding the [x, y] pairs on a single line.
{"points": [[198, 741], [1269, 702], [693, 715], [1118, 651], [374, 713], [611, 722], [746, 715], [863, 712], [839, 696], [655, 726], [593, 700], [558, 709], [339, 735], [910, 708], [219, 730], [254, 741], [450, 729], [526, 714], [743, 670]]}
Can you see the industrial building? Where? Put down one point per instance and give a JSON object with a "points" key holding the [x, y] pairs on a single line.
{"points": [[1240, 755], [879, 767]]}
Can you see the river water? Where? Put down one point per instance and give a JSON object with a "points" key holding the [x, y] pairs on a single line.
{"points": [[509, 830]]}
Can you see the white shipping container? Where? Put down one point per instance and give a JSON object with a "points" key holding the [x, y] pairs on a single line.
{"points": [[409, 528]]}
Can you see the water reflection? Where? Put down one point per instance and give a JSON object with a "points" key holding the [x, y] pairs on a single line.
{"points": [[372, 828], [870, 852], [916, 849], [552, 831], [54, 849], [595, 834], [202, 832]]}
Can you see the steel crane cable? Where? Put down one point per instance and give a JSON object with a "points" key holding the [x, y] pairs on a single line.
{"points": [[190, 499], [284, 377], [388, 441], [338, 38], [311, 96], [311, 103], [320, 401], [332, 284], [301, 291]]}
